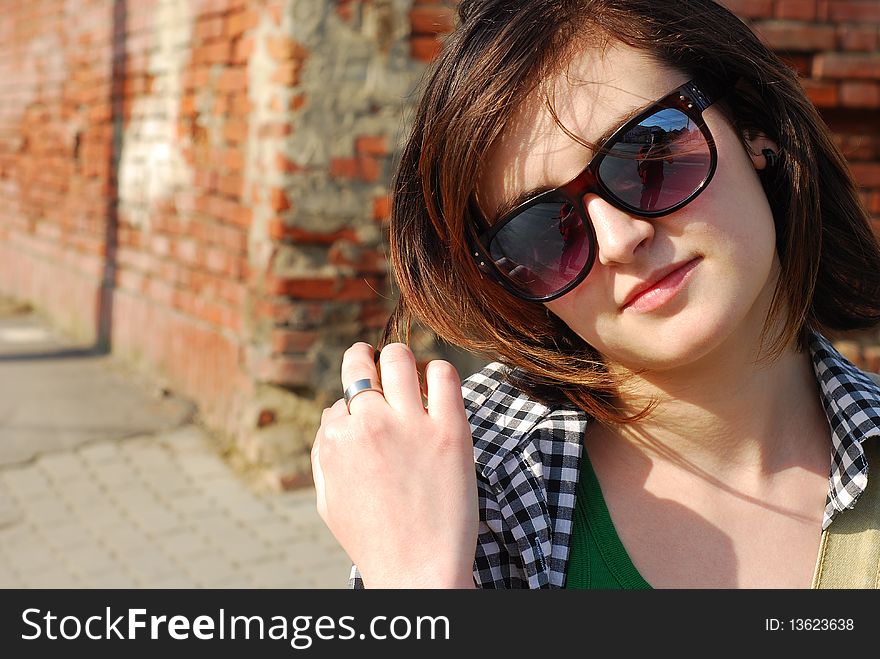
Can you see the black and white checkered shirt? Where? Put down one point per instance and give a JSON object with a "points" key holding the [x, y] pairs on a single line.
{"points": [[528, 459]]}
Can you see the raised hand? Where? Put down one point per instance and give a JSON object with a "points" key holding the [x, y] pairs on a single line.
{"points": [[395, 481]]}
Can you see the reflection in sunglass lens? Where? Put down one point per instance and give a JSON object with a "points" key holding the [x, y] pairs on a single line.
{"points": [[658, 163], [543, 249]]}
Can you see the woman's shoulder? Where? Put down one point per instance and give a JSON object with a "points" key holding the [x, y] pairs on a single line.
{"points": [[491, 397], [503, 417]]}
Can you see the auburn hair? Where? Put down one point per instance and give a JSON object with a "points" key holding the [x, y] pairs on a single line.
{"points": [[497, 56]]}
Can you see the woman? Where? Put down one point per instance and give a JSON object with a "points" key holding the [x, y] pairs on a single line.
{"points": [[669, 412]]}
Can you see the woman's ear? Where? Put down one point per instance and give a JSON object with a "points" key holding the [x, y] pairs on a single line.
{"points": [[756, 143]]}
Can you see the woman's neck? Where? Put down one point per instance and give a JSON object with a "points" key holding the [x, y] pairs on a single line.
{"points": [[729, 417]]}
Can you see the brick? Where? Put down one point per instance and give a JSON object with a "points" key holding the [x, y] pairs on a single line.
{"points": [[283, 49], [286, 165], [295, 341], [847, 65], [278, 199], [297, 102], [242, 49], [750, 8], [208, 28], [217, 52], [233, 79], [287, 75], [431, 20], [849, 349], [424, 49], [240, 22], [822, 94], [800, 63], [804, 10], [325, 289], [362, 168], [858, 37], [275, 130], [866, 174], [854, 10], [286, 371], [797, 36], [860, 94], [371, 145], [872, 358], [278, 230], [235, 131], [382, 207], [230, 185]]}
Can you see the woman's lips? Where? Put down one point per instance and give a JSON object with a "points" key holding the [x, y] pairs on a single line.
{"points": [[663, 290]]}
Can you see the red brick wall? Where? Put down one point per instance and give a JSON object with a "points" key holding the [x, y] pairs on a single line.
{"points": [[223, 167], [199, 186]]}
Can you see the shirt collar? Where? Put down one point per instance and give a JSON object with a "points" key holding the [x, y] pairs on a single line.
{"points": [[851, 401]]}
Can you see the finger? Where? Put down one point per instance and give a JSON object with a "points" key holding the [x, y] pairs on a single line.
{"points": [[444, 390], [318, 477], [400, 379], [335, 411], [357, 364]]}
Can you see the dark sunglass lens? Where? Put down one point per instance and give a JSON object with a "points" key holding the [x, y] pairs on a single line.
{"points": [[658, 163], [543, 249]]}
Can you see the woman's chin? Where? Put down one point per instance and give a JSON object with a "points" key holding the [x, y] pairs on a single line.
{"points": [[676, 345]]}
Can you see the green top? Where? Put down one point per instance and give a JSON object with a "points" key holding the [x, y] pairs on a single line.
{"points": [[597, 559]]}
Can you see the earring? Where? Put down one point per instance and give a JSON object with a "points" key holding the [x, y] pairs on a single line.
{"points": [[771, 157]]}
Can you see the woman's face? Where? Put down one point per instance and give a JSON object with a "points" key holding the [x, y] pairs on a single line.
{"points": [[718, 251]]}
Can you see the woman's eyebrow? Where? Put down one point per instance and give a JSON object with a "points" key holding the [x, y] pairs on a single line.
{"points": [[511, 202]]}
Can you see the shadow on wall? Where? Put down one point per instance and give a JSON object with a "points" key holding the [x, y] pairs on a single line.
{"points": [[104, 320]]}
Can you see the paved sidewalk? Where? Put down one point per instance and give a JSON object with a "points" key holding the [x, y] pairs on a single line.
{"points": [[107, 483]]}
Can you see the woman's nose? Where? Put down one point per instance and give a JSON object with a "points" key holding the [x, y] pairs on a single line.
{"points": [[618, 234]]}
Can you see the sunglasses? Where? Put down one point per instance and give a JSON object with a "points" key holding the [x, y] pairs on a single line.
{"points": [[654, 164]]}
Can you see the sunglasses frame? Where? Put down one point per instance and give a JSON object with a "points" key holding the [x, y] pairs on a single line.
{"points": [[692, 99]]}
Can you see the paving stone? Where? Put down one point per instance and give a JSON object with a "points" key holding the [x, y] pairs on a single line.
{"points": [[270, 574], [177, 581], [66, 536], [248, 509], [56, 577], [150, 565], [126, 539], [244, 548], [47, 511], [274, 531], [26, 482], [157, 521], [118, 477], [31, 558], [10, 579], [237, 580], [192, 503], [89, 560], [103, 518], [63, 467], [99, 453], [167, 481], [202, 465], [111, 578], [210, 568], [327, 576], [10, 512], [84, 494], [18, 533], [184, 544], [185, 439]]}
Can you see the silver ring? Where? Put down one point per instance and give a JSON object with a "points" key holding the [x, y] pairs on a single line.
{"points": [[358, 387]]}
